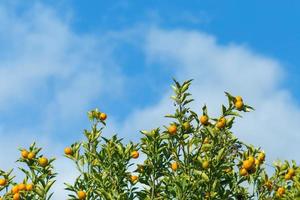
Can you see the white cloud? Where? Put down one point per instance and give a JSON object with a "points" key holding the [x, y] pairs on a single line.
{"points": [[217, 68], [44, 63]]}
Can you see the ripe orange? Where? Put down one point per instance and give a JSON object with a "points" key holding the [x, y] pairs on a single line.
{"points": [[31, 155], [174, 166], [228, 170], [287, 176], [81, 195], [172, 129], [15, 189], [24, 153], [239, 105], [3, 182], [243, 172], [135, 154], [205, 164], [238, 98], [247, 164], [134, 178], [221, 123], [16, 196], [43, 161], [102, 116], [21, 186], [204, 119], [291, 171], [280, 191], [251, 159], [29, 187], [68, 151]]}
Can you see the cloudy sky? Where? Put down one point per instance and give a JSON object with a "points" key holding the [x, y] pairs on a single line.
{"points": [[59, 59]]}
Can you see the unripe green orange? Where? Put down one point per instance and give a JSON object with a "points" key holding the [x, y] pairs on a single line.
{"points": [[205, 164], [186, 125]]}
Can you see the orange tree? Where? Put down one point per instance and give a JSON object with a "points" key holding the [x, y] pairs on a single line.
{"points": [[39, 177], [195, 156]]}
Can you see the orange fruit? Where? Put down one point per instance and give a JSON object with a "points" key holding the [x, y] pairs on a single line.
{"points": [[15, 189], [174, 166], [238, 98], [204, 119], [134, 178], [221, 123], [287, 176], [291, 171], [247, 164], [135, 154], [16, 196], [172, 129], [21, 186], [205, 164], [68, 151], [280, 191], [102, 116], [243, 172], [239, 105], [29, 187], [43, 161], [24, 153], [2, 181], [31, 155], [251, 159], [81, 195]]}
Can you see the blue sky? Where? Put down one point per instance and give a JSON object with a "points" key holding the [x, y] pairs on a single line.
{"points": [[58, 59]]}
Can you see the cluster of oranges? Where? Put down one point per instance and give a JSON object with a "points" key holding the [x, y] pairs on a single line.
{"points": [[249, 165], [43, 161], [17, 189]]}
